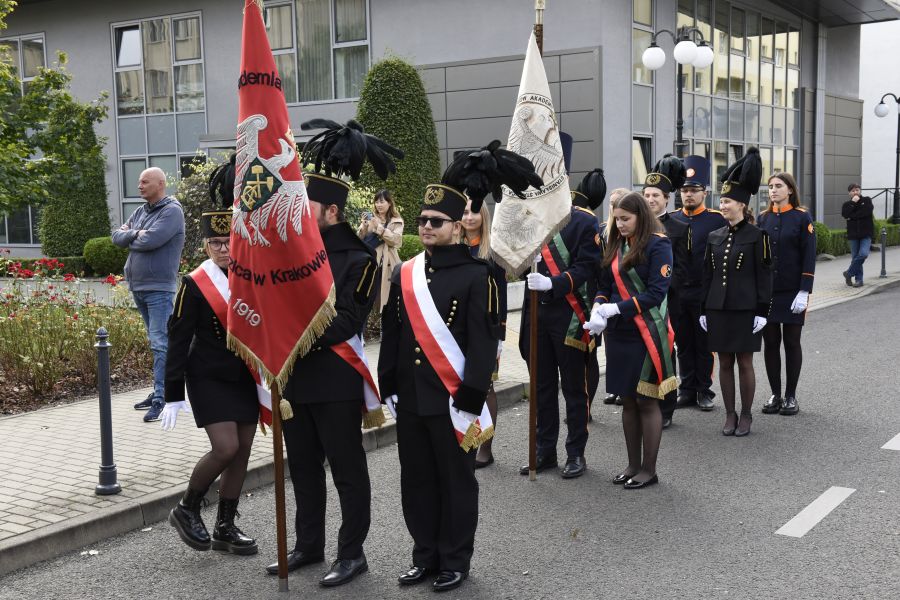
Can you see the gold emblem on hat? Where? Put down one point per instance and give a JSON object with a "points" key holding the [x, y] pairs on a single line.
{"points": [[433, 195], [653, 179], [726, 187], [221, 224]]}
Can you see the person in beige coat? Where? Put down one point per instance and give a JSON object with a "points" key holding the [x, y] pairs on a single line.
{"points": [[383, 230]]}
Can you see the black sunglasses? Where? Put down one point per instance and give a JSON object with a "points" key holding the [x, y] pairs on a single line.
{"points": [[436, 222]]}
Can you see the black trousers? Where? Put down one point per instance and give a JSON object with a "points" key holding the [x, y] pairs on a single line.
{"points": [[439, 492], [560, 367], [695, 361], [329, 430], [593, 374]]}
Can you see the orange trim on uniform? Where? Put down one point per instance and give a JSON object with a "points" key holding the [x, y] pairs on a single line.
{"points": [[571, 282], [475, 241], [694, 213], [777, 210], [636, 304], [809, 274]]}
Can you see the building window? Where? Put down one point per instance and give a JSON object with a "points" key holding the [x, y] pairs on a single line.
{"points": [[642, 92], [26, 55], [160, 98], [640, 159]]}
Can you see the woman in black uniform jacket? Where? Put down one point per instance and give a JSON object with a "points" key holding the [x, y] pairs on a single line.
{"points": [[219, 384], [737, 289], [793, 240], [631, 306], [477, 235]]}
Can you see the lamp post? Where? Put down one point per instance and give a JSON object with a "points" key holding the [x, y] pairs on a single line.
{"points": [[881, 111], [686, 51]]}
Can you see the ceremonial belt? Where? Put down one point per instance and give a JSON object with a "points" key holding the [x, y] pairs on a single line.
{"points": [[576, 335], [213, 285], [352, 353], [441, 350], [658, 371]]}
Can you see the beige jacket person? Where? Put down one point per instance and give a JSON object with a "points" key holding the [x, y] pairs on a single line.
{"points": [[387, 254]]}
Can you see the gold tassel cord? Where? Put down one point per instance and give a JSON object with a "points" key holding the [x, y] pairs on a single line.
{"points": [[373, 419], [287, 412]]}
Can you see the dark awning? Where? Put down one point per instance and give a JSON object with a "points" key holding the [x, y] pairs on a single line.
{"points": [[836, 13]]}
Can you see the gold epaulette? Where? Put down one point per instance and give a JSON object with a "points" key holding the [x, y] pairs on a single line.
{"points": [[581, 208]]}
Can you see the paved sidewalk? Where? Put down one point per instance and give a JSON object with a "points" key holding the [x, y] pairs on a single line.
{"points": [[49, 458]]}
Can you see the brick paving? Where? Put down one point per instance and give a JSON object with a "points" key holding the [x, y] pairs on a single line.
{"points": [[49, 458]]}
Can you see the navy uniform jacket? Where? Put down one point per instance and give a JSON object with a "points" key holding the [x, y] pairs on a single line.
{"points": [[793, 241], [700, 223], [737, 273], [499, 275], [655, 272], [465, 296], [581, 237], [677, 232], [321, 375]]}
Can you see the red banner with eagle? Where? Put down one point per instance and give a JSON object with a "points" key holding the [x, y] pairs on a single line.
{"points": [[282, 291]]}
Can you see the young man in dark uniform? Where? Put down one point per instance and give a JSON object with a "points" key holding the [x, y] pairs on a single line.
{"points": [[695, 361], [666, 177]]}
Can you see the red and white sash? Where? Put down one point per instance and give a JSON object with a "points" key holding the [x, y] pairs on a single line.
{"points": [[213, 284], [441, 350], [352, 353]]}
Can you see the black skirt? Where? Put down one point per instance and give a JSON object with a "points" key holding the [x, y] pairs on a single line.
{"points": [[731, 331], [625, 355], [216, 401], [780, 311]]}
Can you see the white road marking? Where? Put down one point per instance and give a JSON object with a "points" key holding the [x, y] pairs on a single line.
{"points": [[810, 516], [894, 444]]}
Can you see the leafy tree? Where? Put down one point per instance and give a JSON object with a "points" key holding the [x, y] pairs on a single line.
{"points": [[393, 105]]}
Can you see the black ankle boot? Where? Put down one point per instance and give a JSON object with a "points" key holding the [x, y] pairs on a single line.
{"points": [[226, 536], [186, 520]]}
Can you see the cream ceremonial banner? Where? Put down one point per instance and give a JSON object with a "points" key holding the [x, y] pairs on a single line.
{"points": [[522, 226]]}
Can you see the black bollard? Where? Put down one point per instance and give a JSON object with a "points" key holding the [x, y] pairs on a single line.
{"points": [[883, 252], [108, 473]]}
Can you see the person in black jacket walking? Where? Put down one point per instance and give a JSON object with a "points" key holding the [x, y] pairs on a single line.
{"points": [[860, 229]]}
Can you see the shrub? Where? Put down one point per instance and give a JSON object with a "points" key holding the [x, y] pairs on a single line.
{"points": [[57, 267], [359, 202], [838, 244], [892, 230], [193, 194], [823, 238], [393, 105], [411, 246], [104, 257]]}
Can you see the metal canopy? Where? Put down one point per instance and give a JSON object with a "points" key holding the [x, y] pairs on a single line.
{"points": [[837, 13]]}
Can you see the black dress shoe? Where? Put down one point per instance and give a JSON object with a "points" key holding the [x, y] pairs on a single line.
{"points": [[686, 399], [480, 464], [618, 400], [575, 467], [705, 402], [631, 484], [448, 580], [343, 570], [847, 279], [622, 478], [295, 560], [789, 406], [414, 575], [772, 405], [543, 463], [610, 399], [666, 422]]}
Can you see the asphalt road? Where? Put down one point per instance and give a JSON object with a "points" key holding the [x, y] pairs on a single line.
{"points": [[707, 531]]}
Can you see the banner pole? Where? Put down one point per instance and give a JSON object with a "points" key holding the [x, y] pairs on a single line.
{"points": [[280, 526]]}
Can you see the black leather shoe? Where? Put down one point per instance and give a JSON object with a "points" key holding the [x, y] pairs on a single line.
{"points": [[575, 467], [686, 399], [543, 463], [618, 400], [610, 399], [789, 406], [343, 570], [480, 464], [631, 484], [772, 405], [622, 478], [187, 521], [414, 575], [847, 279], [295, 560], [448, 580], [705, 402], [666, 422]]}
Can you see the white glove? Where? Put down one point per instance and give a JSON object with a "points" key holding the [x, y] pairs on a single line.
{"points": [[608, 310], [800, 302], [538, 258], [758, 324], [538, 282], [703, 322], [499, 349], [170, 414], [391, 402], [597, 322]]}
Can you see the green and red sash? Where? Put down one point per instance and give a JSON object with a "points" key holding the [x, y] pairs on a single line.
{"points": [[555, 254], [658, 372]]}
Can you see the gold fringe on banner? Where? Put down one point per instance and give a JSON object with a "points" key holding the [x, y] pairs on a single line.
{"points": [[286, 411], [651, 390]]}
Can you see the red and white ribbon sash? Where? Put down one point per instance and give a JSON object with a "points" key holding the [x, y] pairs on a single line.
{"points": [[440, 348], [352, 353], [213, 284]]}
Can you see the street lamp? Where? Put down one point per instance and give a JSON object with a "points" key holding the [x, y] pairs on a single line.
{"points": [[882, 110], [686, 51]]}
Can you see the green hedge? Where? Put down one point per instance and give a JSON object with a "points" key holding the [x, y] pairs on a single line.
{"points": [[411, 246], [75, 265], [104, 257], [834, 241], [892, 229]]}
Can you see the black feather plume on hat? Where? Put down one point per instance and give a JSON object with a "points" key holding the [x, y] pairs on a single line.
{"points": [[742, 179], [593, 188], [672, 167], [343, 149], [221, 184], [483, 171]]}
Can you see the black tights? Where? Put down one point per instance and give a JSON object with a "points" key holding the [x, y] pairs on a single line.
{"points": [[231, 443], [642, 424], [746, 376], [793, 356]]}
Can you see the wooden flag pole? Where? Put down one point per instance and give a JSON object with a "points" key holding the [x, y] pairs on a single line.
{"points": [[533, 302], [280, 517]]}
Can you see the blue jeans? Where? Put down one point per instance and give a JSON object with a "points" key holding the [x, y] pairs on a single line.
{"points": [[155, 309], [859, 251]]}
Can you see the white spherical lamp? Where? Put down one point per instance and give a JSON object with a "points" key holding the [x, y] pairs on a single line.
{"points": [[685, 52], [653, 57], [881, 109], [704, 56]]}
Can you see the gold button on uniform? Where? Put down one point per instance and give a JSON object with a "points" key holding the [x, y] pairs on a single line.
{"points": [[418, 362], [418, 350]]}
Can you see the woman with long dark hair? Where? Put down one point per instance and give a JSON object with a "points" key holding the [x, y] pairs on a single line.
{"points": [[631, 306], [793, 240], [382, 230]]}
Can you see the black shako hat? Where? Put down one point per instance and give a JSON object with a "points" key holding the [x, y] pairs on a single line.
{"points": [[667, 174], [591, 190], [696, 171], [341, 151], [741, 180], [216, 220], [474, 174]]}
